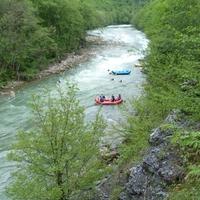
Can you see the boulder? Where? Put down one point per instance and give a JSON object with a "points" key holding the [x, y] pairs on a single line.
{"points": [[160, 167], [160, 135], [170, 171], [151, 163], [109, 154], [137, 181], [144, 185]]}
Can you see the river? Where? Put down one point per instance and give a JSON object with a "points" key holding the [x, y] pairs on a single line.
{"points": [[125, 47]]}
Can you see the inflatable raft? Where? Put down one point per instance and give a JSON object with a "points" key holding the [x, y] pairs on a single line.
{"points": [[121, 72], [108, 101]]}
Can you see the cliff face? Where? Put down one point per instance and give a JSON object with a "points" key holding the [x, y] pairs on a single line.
{"points": [[161, 166]]}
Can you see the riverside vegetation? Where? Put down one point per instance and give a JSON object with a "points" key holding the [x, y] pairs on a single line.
{"points": [[173, 82], [172, 68], [53, 158], [34, 33]]}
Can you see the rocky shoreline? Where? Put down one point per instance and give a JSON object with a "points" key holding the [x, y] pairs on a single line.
{"points": [[70, 60]]}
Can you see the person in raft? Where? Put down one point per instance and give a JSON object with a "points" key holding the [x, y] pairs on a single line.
{"points": [[102, 98], [112, 98], [119, 97]]}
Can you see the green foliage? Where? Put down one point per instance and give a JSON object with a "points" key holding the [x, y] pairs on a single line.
{"points": [[65, 19], [189, 140], [34, 33], [189, 145], [189, 190], [194, 171], [172, 68], [116, 192], [173, 63], [59, 158], [137, 128], [23, 42]]}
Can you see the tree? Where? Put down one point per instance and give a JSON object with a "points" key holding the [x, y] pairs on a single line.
{"points": [[24, 45], [58, 158], [65, 19], [172, 68], [34, 33]]}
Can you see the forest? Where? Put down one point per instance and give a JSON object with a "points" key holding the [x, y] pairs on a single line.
{"points": [[173, 72], [35, 33]]}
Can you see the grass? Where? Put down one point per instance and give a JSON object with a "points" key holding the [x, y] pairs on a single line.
{"points": [[143, 115], [188, 190]]}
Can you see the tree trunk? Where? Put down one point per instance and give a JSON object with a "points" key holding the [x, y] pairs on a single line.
{"points": [[60, 184]]}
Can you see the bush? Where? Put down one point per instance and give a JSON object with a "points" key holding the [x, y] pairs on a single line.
{"points": [[59, 158]]}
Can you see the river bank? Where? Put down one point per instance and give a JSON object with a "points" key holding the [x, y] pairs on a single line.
{"points": [[122, 46], [67, 62], [161, 166]]}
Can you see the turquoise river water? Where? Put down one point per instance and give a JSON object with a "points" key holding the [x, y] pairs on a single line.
{"points": [[125, 46]]}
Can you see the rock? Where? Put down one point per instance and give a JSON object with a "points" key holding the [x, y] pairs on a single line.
{"points": [[160, 135], [188, 84], [102, 189], [4, 93], [151, 163], [62, 65], [179, 119], [94, 39], [123, 196], [173, 117], [12, 94], [10, 88], [109, 155], [160, 167], [137, 181], [144, 185], [170, 171], [138, 65], [100, 196]]}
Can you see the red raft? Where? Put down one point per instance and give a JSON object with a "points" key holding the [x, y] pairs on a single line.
{"points": [[108, 101]]}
